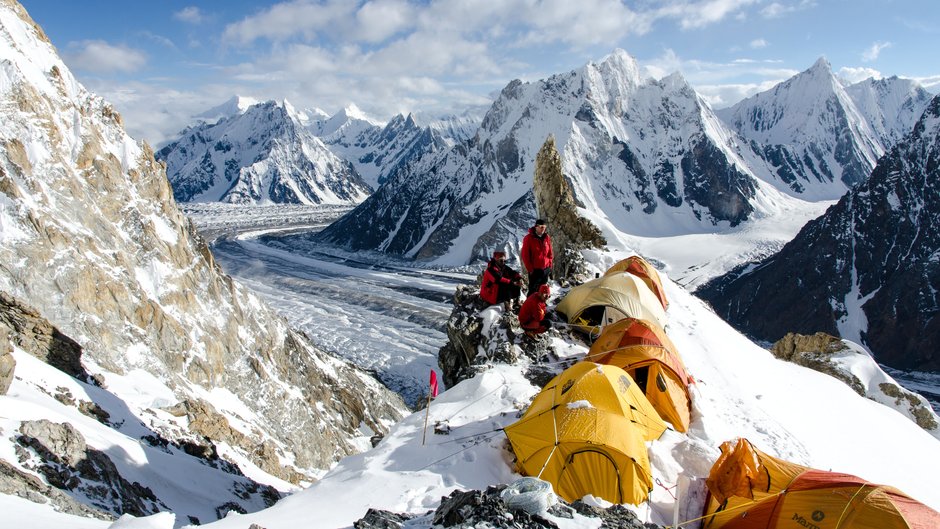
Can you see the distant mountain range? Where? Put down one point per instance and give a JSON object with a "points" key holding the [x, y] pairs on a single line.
{"points": [[867, 270], [245, 151], [648, 156]]}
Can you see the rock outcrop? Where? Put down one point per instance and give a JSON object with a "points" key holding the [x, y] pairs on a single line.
{"points": [[35, 335], [476, 508], [58, 452], [479, 335], [7, 362], [835, 357], [556, 204]]}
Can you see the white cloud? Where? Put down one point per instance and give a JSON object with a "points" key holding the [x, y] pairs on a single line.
{"points": [[854, 75], [289, 19], [779, 9], [381, 19], [758, 44], [694, 15], [872, 53], [100, 57], [190, 15]]}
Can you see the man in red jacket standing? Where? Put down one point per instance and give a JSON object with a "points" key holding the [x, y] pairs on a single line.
{"points": [[533, 317], [537, 255]]}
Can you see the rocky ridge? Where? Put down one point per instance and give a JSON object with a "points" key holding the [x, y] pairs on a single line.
{"points": [[826, 353], [870, 259], [94, 243]]}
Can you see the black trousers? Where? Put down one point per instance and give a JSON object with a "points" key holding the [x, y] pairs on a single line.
{"points": [[507, 292], [539, 276]]}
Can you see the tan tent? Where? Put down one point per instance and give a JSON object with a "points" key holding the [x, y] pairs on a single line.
{"points": [[642, 349], [748, 489], [593, 305], [641, 268], [586, 433]]}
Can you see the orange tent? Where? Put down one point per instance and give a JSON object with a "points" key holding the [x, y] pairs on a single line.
{"points": [[639, 267], [749, 489], [642, 349]]}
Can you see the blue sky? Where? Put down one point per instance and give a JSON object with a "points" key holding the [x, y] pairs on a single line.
{"points": [[161, 62]]}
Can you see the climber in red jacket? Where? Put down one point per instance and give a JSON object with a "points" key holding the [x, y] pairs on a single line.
{"points": [[537, 255], [533, 317], [500, 282]]}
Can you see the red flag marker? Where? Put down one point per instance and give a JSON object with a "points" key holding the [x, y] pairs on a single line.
{"points": [[433, 383]]}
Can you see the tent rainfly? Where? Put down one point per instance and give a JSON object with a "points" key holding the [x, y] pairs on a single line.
{"points": [[585, 433], [641, 268], [591, 306], [642, 349], [748, 489]]}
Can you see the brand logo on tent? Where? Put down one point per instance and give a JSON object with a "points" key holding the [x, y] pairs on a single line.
{"points": [[624, 383], [567, 386], [806, 523]]}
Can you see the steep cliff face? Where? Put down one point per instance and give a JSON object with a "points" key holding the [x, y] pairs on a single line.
{"points": [[867, 270], [92, 239], [641, 153]]}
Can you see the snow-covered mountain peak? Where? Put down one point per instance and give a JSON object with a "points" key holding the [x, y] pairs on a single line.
{"points": [[810, 130], [233, 107], [264, 154], [891, 105]]}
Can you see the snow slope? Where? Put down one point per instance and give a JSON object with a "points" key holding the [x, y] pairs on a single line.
{"points": [[740, 390]]}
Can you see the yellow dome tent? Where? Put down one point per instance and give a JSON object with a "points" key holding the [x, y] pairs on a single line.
{"points": [[642, 349], [748, 489], [586, 433], [641, 268], [599, 302]]}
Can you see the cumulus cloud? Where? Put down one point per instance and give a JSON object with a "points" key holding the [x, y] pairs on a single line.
{"points": [[872, 53], [190, 15], [100, 57], [854, 75]]}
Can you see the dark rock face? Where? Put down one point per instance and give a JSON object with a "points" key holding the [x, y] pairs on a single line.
{"points": [[474, 508], [877, 248], [710, 180], [35, 335], [68, 464]]}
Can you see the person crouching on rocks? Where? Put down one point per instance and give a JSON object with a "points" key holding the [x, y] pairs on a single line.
{"points": [[501, 284], [533, 317]]}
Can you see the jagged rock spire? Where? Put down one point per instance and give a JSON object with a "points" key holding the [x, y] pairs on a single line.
{"points": [[555, 203]]}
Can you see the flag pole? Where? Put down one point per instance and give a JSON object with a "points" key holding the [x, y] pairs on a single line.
{"points": [[427, 412], [432, 392]]}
